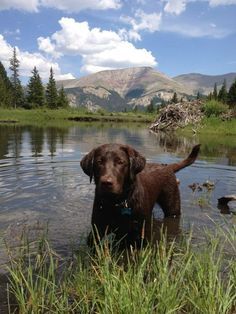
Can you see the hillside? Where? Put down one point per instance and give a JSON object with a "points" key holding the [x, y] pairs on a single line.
{"points": [[120, 89], [204, 83], [117, 90]]}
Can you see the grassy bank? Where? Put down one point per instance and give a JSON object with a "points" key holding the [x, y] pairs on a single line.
{"points": [[213, 125], [47, 116], [173, 277]]}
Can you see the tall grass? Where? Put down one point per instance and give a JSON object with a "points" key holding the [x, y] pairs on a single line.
{"points": [[168, 277]]}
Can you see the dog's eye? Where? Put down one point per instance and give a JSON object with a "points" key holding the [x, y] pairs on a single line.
{"points": [[99, 161], [120, 161]]}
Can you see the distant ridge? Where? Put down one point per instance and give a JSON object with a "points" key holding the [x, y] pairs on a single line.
{"points": [[121, 89], [204, 83]]}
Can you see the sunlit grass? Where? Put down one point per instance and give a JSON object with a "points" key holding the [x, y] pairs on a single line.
{"points": [[68, 116], [168, 277]]}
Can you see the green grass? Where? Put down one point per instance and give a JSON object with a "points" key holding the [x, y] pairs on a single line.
{"points": [[171, 277], [66, 116], [212, 126]]}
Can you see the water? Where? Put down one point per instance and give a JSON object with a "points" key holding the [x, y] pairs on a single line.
{"points": [[41, 182]]}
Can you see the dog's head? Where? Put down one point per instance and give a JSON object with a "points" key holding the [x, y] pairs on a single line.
{"points": [[113, 167]]}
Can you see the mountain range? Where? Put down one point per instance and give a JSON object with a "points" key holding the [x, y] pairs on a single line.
{"points": [[117, 90]]}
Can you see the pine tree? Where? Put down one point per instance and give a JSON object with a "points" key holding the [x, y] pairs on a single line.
{"points": [[51, 92], [35, 90], [62, 101], [215, 92], [232, 95], [18, 94], [174, 99], [222, 96], [5, 88], [151, 107]]}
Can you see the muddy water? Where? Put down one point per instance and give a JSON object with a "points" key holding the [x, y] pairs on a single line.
{"points": [[41, 182]]}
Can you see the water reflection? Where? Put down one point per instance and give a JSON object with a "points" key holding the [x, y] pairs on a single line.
{"points": [[41, 179]]}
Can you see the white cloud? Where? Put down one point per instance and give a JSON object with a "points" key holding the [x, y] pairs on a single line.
{"points": [[76, 6], [29, 60], [143, 21], [175, 6], [64, 5], [214, 3], [196, 31], [99, 49], [24, 5]]}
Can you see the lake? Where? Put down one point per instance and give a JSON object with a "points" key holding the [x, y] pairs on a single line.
{"points": [[42, 184]]}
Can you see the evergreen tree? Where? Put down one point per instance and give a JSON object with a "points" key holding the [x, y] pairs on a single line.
{"points": [[215, 92], [199, 95], [17, 90], [222, 96], [210, 96], [51, 92], [62, 101], [151, 107], [174, 99], [35, 90], [232, 95], [5, 88]]}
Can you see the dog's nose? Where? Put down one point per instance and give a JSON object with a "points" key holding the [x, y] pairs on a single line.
{"points": [[107, 182]]}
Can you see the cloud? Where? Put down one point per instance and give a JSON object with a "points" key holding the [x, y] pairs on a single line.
{"points": [[24, 5], [196, 31], [64, 5], [215, 3], [99, 49], [29, 60], [175, 6], [76, 6], [142, 22]]}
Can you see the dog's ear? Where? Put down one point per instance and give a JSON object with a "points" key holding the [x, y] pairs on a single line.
{"points": [[137, 161], [87, 164]]}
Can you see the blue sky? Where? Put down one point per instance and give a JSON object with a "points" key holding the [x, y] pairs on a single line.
{"points": [[79, 37]]}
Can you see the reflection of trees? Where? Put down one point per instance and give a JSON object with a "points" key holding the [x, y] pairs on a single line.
{"points": [[17, 141], [4, 141], [37, 140], [53, 135]]}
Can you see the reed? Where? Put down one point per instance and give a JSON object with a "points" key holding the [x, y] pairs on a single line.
{"points": [[180, 276]]}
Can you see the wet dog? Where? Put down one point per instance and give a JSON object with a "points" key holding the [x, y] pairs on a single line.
{"points": [[127, 189]]}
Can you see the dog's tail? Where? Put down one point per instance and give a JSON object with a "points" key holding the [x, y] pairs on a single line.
{"points": [[186, 162]]}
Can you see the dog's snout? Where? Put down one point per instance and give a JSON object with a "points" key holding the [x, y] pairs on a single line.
{"points": [[106, 181]]}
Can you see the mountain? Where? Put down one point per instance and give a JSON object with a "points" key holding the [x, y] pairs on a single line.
{"points": [[117, 90], [122, 89], [204, 83]]}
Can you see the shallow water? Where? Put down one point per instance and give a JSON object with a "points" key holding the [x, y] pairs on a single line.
{"points": [[41, 181]]}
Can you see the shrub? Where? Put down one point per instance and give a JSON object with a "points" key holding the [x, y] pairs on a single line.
{"points": [[214, 108]]}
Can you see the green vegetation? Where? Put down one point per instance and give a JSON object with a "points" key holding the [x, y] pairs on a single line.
{"points": [[68, 115], [175, 276], [214, 108], [16, 90], [12, 94]]}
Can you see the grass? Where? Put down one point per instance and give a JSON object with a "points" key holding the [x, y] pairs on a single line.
{"points": [[47, 116], [171, 277]]}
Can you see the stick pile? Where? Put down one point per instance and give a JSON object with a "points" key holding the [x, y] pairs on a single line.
{"points": [[178, 115]]}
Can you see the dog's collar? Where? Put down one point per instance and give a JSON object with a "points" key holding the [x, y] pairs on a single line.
{"points": [[123, 206], [125, 209]]}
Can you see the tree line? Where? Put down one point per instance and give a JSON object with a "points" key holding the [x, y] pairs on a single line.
{"points": [[35, 95], [223, 95]]}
